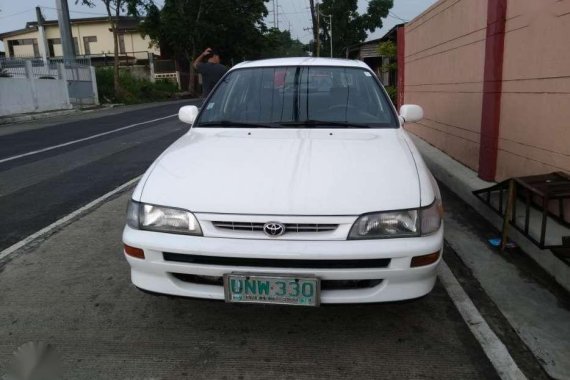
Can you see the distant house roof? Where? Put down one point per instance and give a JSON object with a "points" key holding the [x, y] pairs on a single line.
{"points": [[368, 48], [126, 24]]}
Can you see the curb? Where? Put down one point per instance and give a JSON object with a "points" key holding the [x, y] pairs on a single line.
{"points": [[46, 115], [463, 181]]}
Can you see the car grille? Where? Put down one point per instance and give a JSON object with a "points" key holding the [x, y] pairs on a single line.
{"points": [[276, 263], [325, 284], [289, 227]]}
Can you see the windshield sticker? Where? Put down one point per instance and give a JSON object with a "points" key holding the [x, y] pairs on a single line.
{"points": [[210, 106], [367, 74]]}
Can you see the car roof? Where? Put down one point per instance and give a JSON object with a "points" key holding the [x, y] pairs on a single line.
{"points": [[302, 61]]}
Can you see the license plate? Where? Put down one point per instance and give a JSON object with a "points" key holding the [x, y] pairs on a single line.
{"points": [[284, 290]]}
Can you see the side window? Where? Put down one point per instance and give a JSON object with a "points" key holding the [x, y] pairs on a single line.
{"points": [[87, 43]]}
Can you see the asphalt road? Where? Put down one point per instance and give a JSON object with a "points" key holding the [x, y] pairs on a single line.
{"points": [[72, 289], [38, 189]]}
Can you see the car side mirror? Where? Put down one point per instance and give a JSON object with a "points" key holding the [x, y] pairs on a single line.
{"points": [[187, 114], [411, 113]]}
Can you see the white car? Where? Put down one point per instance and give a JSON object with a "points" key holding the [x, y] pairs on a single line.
{"points": [[296, 184]]}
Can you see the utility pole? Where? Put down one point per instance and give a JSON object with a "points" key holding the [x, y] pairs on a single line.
{"points": [[318, 31], [65, 31], [315, 26], [330, 30], [330, 18], [276, 13], [43, 40]]}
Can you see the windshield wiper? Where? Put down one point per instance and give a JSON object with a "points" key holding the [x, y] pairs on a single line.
{"points": [[237, 124], [324, 124]]}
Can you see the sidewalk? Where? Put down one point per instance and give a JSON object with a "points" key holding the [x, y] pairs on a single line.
{"points": [[18, 118], [538, 311]]}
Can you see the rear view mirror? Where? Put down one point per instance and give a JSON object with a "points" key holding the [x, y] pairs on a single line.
{"points": [[187, 114], [411, 113]]}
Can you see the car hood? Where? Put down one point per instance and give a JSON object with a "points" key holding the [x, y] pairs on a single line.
{"points": [[285, 172]]}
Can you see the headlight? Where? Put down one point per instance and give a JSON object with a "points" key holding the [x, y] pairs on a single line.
{"points": [[404, 223], [162, 219]]}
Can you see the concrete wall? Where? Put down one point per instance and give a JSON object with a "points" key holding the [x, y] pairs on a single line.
{"points": [[444, 73], [23, 95], [444, 57], [535, 107]]}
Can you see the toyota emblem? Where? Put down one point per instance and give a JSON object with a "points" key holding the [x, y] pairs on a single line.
{"points": [[274, 229]]}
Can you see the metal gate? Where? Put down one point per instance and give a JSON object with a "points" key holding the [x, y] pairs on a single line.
{"points": [[82, 84]]}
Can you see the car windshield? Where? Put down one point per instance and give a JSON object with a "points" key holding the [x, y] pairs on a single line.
{"points": [[298, 97]]}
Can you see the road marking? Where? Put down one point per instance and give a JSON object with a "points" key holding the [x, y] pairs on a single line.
{"points": [[83, 139], [22, 243], [491, 344]]}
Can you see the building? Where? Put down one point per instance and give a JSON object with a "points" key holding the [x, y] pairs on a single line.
{"points": [[493, 78], [92, 38], [369, 53]]}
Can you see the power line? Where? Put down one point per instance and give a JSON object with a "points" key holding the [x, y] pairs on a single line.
{"points": [[19, 13], [390, 13], [291, 13], [82, 12]]}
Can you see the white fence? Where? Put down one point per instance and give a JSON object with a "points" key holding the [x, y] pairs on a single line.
{"points": [[32, 86]]}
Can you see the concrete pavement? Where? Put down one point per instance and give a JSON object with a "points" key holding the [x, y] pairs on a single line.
{"points": [[71, 287], [73, 290], [534, 304]]}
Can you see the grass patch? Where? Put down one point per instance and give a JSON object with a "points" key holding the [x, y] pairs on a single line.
{"points": [[133, 90]]}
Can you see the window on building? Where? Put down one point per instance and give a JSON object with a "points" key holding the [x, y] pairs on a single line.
{"points": [[23, 42], [122, 43], [51, 43], [76, 45], [57, 41], [86, 41]]}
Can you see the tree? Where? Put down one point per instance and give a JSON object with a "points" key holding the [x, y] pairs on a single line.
{"points": [[388, 49], [186, 27], [349, 27], [280, 44], [115, 9]]}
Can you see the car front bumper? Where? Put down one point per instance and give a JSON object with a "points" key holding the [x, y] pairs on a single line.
{"points": [[399, 280]]}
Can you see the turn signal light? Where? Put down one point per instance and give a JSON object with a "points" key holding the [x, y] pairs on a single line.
{"points": [[420, 261], [134, 252]]}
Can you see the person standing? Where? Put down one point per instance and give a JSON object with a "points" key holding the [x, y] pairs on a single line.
{"points": [[211, 70]]}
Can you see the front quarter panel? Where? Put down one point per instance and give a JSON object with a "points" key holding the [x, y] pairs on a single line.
{"points": [[429, 189]]}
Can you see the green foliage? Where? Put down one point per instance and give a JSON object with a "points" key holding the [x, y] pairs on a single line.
{"points": [[133, 90], [280, 44], [349, 26], [387, 49], [115, 9], [393, 93], [186, 27], [390, 50], [131, 7]]}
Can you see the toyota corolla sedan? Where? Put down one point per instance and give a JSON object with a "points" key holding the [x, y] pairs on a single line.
{"points": [[296, 184]]}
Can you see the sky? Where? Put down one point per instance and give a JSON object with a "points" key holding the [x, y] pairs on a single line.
{"points": [[294, 15]]}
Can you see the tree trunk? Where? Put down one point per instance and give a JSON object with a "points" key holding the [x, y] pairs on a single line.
{"points": [[116, 84], [192, 82]]}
